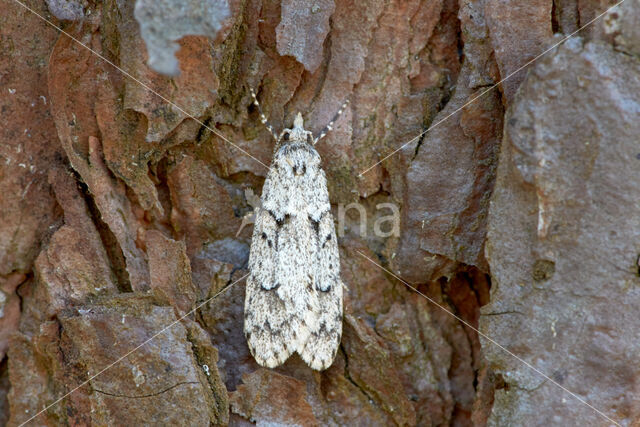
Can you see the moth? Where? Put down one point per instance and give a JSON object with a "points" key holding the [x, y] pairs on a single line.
{"points": [[293, 299]]}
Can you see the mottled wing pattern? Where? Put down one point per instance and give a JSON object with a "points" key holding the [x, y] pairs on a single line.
{"points": [[324, 338], [267, 319], [294, 293]]}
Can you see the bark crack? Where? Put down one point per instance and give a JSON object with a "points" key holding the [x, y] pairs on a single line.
{"points": [[146, 395]]}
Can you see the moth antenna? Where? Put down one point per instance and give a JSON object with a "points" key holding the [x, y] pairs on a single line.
{"points": [[263, 118], [328, 128]]}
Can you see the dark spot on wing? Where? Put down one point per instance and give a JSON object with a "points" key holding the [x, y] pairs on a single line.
{"points": [[323, 326], [267, 327], [315, 224], [277, 285], [281, 221], [264, 235], [327, 288]]}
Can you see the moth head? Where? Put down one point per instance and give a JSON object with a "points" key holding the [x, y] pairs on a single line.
{"points": [[295, 152], [297, 134]]}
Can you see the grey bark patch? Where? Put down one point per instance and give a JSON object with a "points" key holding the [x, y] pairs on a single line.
{"points": [[566, 190], [69, 10], [162, 22], [303, 27]]}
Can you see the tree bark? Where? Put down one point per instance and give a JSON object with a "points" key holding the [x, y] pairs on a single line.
{"points": [[509, 169]]}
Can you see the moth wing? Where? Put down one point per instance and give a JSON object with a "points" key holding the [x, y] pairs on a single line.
{"points": [[267, 318], [324, 339]]}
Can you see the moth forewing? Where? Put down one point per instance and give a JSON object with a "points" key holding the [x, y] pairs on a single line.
{"points": [[293, 298]]}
